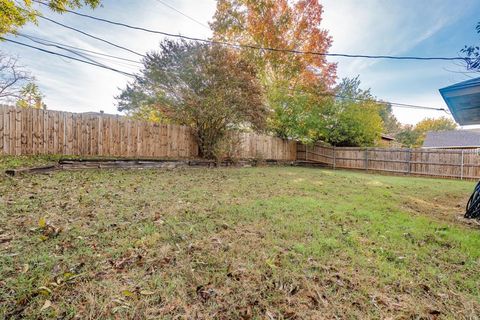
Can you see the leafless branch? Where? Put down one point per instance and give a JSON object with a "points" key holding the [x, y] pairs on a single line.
{"points": [[12, 77]]}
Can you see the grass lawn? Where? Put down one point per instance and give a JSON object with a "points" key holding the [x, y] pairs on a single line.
{"points": [[251, 243]]}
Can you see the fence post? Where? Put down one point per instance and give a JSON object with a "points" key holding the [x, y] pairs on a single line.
{"points": [[409, 162], [334, 158], [366, 159], [461, 167]]}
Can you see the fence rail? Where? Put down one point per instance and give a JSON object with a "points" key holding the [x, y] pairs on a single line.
{"points": [[43, 132], [463, 164]]}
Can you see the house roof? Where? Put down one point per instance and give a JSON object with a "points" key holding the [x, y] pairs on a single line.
{"points": [[387, 137], [452, 139], [468, 83], [463, 100]]}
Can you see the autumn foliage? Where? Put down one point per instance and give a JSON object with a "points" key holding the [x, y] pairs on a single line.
{"points": [[294, 83], [278, 24], [276, 78], [208, 88]]}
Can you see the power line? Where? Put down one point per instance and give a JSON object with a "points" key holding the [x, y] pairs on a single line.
{"points": [[66, 49], [184, 14], [69, 57], [92, 36], [96, 64], [393, 104], [64, 46], [85, 56], [326, 54]]}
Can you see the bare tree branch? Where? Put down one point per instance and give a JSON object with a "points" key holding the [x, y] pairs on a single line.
{"points": [[12, 77]]}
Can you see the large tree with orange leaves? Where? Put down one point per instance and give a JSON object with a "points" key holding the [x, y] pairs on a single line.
{"points": [[281, 24]]}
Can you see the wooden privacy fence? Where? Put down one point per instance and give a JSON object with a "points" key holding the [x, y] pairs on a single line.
{"points": [[463, 164], [43, 132], [266, 147]]}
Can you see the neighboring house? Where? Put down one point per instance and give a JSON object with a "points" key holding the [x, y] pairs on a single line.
{"points": [[454, 139], [463, 100], [388, 141]]}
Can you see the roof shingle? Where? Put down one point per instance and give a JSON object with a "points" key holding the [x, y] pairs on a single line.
{"points": [[452, 139]]}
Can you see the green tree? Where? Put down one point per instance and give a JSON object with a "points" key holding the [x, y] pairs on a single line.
{"points": [[407, 136], [31, 97], [432, 124], [15, 14], [413, 136], [209, 88], [298, 114], [390, 122], [353, 119]]}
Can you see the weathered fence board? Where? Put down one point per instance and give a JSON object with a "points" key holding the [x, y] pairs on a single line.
{"points": [[40, 132], [448, 163]]}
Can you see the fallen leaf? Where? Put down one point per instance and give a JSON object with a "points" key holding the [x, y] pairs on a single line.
{"points": [[128, 293], [147, 293], [42, 223], [68, 275], [25, 268], [46, 305], [44, 290], [120, 308]]}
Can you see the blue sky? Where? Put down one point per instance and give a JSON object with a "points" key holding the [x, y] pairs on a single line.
{"points": [[407, 27]]}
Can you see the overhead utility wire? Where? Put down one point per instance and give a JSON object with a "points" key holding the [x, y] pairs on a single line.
{"points": [[132, 75], [264, 48], [92, 36], [66, 49], [184, 14], [30, 37], [94, 56], [396, 104], [85, 56], [97, 64], [94, 63], [393, 104], [68, 57]]}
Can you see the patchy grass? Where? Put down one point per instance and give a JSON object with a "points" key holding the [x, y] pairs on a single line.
{"points": [[14, 162], [253, 243]]}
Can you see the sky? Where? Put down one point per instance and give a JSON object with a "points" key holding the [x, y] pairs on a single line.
{"points": [[377, 27]]}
